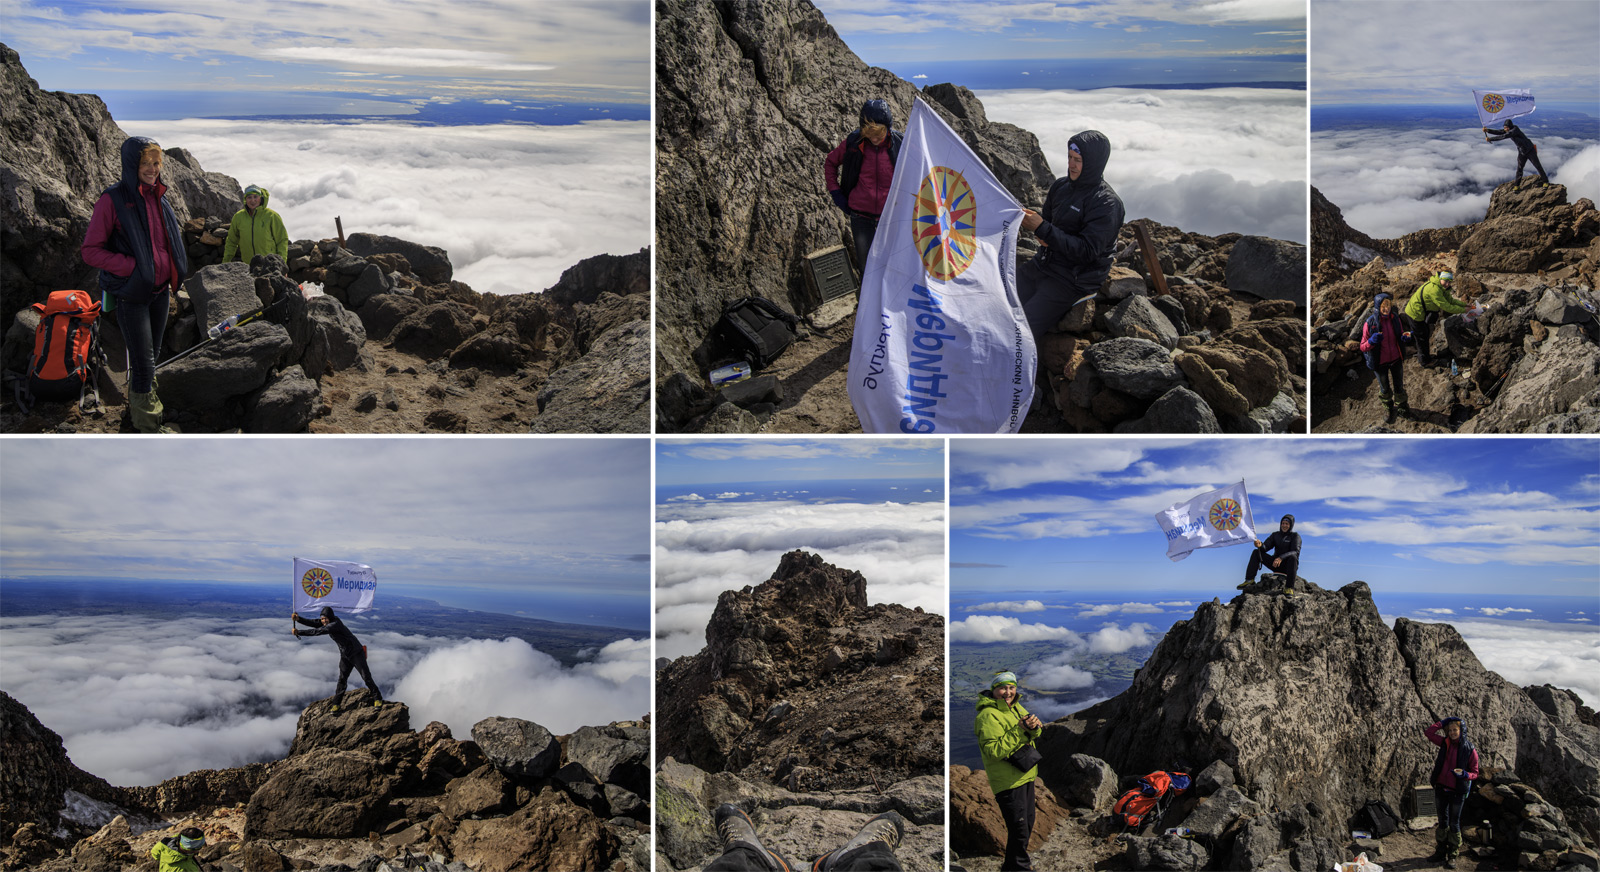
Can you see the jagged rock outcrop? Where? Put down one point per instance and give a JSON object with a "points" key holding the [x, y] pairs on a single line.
{"points": [[359, 788], [1529, 364], [1316, 706], [392, 344], [799, 826], [803, 684], [976, 826]]}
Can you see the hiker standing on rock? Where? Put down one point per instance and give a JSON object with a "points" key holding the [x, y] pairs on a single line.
{"points": [[1526, 151], [871, 849], [135, 242], [1432, 302], [1006, 732], [1381, 337], [858, 172], [1282, 548], [1454, 770], [176, 853], [1077, 232], [255, 230], [352, 654]]}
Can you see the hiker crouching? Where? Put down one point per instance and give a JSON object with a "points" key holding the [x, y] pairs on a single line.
{"points": [[176, 853], [352, 655], [1077, 232], [1280, 551], [135, 242], [1006, 732]]}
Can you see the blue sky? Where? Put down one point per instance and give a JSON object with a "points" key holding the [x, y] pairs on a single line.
{"points": [[1439, 515], [1416, 52], [710, 461], [562, 515], [934, 30], [261, 50]]}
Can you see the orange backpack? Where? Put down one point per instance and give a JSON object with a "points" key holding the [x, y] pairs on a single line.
{"points": [[66, 348], [1149, 800]]}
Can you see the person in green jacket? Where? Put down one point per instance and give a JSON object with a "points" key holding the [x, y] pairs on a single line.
{"points": [[255, 230], [1004, 727], [1432, 302], [176, 853]]}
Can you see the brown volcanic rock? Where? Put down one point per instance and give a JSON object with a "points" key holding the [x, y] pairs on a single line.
{"points": [[802, 683], [321, 794], [357, 726], [204, 789], [1313, 701], [1331, 236], [976, 827], [35, 774], [549, 833]]}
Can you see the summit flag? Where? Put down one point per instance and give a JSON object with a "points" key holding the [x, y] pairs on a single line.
{"points": [[941, 344], [1210, 520], [347, 587], [1497, 106]]}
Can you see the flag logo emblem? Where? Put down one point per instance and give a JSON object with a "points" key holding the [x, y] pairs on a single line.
{"points": [[316, 582], [1493, 103], [1225, 515], [945, 225]]}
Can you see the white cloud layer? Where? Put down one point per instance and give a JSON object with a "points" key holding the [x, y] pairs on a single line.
{"points": [[1008, 606], [707, 548], [1533, 652], [1390, 182], [514, 205], [138, 700], [1000, 628], [1207, 161]]}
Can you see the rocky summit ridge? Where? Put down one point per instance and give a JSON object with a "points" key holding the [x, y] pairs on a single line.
{"points": [[359, 790], [812, 708], [392, 344], [1532, 362], [750, 97], [1294, 711]]}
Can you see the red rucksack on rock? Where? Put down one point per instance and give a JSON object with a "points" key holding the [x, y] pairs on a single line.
{"points": [[1149, 800], [66, 355]]}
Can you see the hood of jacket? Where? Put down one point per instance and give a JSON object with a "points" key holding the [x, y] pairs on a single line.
{"points": [[986, 700], [257, 189], [131, 147], [1096, 151], [1290, 519]]}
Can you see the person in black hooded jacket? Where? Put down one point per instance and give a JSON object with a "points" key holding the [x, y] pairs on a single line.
{"points": [[1077, 232], [1284, 548], [1526, 151], [352, 655]]}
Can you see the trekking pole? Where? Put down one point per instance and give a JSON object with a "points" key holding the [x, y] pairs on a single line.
{"points": [[222, 329]]}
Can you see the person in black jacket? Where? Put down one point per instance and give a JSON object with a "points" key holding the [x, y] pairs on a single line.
{"points": [[352, 655], [1077, 232], [1284, 548], [1526, 151]]}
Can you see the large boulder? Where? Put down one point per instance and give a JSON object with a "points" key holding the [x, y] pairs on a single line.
{"points": [[1565, 369], [605, 391], [434, 330], [1137, 367], [614, 755], [286, 405], [429, 262], [1272, 269], [1179, 410], [548, 833], [357, 726], [521, 750], [1140, 312], [322, 794], [336, 338], [238, 363]]}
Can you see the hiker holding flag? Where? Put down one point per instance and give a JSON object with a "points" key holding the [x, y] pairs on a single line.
{"points": [[1006, 733], [858, 172], [1077, 232], [135, 242], [1282, 548], [329, 584], [1527, 152]]}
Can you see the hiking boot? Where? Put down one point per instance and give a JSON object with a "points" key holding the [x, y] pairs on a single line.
{"points": [[144, 409], [333, 709], [1404, 411], [1243, 584], [1449, 863], [377, 703], [888, 828], [735, 828], [1436, 856]]}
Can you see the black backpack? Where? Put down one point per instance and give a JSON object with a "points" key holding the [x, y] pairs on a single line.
{"points": [[1384, 820], [754, 329]]}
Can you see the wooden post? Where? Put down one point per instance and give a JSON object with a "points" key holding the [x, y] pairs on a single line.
{"points": [[339, 226], [1151, 261]]}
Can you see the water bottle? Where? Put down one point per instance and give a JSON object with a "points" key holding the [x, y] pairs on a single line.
{"points": [[733, 372], [1454, 370], [223, 327]]}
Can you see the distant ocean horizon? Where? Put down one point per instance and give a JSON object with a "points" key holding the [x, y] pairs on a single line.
{"points": [[354, 107], [1278, 72], [863, 490]]}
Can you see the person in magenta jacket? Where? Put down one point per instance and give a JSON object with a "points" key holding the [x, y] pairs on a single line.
{"points": [[135, 242], [1381, 338], [1454, 770], [858, 172]]}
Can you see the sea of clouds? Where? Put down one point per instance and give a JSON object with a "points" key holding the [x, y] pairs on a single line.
{"points": [[1212, 161], [514, 205], [1389, 182], [1529, 653], [705, 548], [138, 700]]}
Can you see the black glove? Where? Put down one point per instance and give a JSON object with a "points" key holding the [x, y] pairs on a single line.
{"points": [[840, 199]]}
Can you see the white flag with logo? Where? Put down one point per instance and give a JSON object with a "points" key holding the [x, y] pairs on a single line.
{"points": [[347, 587], [1496, 106], [941, 343], [1210, 520]]}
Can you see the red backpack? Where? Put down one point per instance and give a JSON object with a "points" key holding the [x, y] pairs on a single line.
{"points": [[66, 348], [1149, 800]]}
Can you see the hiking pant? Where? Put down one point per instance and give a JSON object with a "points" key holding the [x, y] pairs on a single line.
{"points": [[1448, 833], [743, 857], [1045, 298], [862, 229], [1016, 809], [1525, 158], [142, 325], [360, 665], [1422, 331], [1391, 381], [1258, 559]]}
